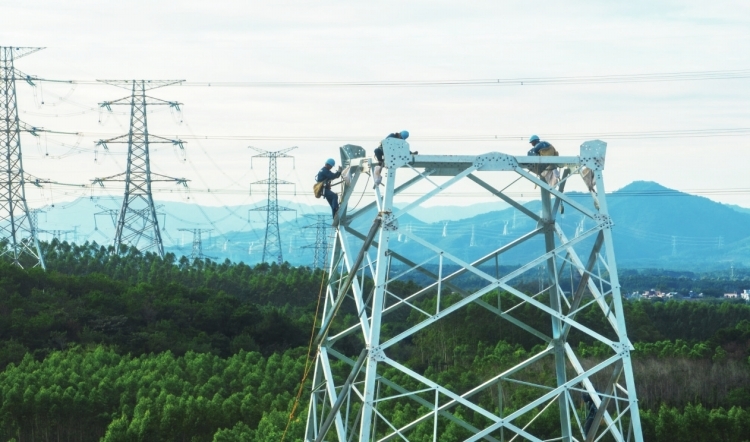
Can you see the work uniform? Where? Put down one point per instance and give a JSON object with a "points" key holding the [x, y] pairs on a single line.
{"points": [[590, 413], [325, 174], [539, 146], [379, 156]]}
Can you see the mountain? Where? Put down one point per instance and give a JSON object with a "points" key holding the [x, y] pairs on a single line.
{"points": [[674, 227], [738, 208], [653, 227], [453, 213]]}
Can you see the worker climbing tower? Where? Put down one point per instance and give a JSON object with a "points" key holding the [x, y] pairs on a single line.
{"points": [[365, 387], [17, 229]]}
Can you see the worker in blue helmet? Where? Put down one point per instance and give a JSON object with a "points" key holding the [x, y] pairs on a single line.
{"points": [[537, 145], [326, 175], [380, 156], [404, 134]]}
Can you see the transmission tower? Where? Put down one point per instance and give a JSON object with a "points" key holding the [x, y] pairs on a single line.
{"points": [[322, 227], [17, 229], [381, 394], [197, 252], [58, 234], [137, 224], [272, 243]]}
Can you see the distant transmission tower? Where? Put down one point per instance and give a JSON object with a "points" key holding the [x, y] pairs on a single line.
{"points": [[197, 252], [137, 225], [272, 243], [58, 234], [17, 229], [322, 226]]}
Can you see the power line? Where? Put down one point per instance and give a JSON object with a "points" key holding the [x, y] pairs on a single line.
{"points": [[637, 135], [449, 194], [518, 81]]}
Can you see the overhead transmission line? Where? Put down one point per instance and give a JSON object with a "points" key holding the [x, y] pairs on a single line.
{"points": [[636, 135], [448, 194], [516, 81]]}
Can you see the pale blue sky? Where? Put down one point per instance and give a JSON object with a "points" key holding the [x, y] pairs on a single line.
{"points": [[298, 41]]}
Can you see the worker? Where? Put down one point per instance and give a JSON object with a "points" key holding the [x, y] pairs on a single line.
{"points": [[537, 145], [325, 175], [379, 156], [548, 173], [590, 412]]}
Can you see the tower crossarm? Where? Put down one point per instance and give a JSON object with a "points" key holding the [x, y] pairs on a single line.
{"points": [[123, 139], [39, 181], [18, 75], [267, 208], [120, 177], [34, 130], [272, 155], [271, 182], [146, 84], [276, 153], [17, 52]]}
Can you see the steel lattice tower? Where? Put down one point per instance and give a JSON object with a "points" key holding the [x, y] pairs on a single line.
{"points": [[197, 252], [321, 241], [272, 242], [379, 395], [137, 223], [17, 228]]}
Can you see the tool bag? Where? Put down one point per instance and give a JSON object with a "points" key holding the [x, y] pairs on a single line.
{"points": [[318, 189]]}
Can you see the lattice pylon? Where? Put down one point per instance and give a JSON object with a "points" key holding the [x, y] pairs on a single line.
{"points": [[197, 250], [272, 242], [137, 223], [321, 246], [17, 229], [377, 396]]}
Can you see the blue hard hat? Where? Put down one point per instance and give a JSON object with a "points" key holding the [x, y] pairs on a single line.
{"points": [[533, 138], [331, 162], [404, 134]]}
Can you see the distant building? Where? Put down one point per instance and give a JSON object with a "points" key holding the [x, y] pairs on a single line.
{"points": [[745, 295], [657, 294]]}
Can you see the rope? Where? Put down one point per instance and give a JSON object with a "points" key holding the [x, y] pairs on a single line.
{"points": [[308, 366], [363, 193]]}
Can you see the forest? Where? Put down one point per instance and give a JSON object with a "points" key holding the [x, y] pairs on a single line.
{"points": [[134, 347]]}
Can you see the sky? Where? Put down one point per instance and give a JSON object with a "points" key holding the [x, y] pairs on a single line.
{"points": [[245, 62]]}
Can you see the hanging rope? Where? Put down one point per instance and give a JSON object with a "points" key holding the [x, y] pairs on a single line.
{"points": [[308, 365], [363, 193]]}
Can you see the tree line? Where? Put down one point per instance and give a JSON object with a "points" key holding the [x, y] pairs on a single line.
{"points": [[135, 347]]}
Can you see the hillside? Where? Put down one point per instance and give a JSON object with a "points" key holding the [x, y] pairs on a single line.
{"points": [[121, 348]]}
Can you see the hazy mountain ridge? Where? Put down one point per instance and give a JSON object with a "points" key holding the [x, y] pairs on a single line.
{"points": [[654, 227]]}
